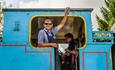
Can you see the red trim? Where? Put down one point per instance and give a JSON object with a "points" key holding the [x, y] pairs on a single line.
{"points": [[50, 60], [106, 61], [94, 53], [83, 60], [26, 51], [12, 44]]}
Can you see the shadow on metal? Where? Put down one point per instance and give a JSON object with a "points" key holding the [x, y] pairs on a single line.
{"points": [[113, 56]]}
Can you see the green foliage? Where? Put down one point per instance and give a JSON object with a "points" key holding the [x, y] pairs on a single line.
{"points": [[108, 15], [1, 19], [103, 25], [1, 14], [111, 6]]}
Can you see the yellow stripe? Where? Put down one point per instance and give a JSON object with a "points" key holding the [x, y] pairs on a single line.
{"points": [[57, 16]]}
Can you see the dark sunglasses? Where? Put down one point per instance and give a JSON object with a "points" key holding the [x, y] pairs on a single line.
{"points": [[48, 23]]}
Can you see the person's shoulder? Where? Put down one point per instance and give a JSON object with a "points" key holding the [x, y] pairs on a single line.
{"points": [[54, 29], [41, 31]]}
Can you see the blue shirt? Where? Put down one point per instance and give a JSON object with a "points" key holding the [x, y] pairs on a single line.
{"points": [[42, 37]]}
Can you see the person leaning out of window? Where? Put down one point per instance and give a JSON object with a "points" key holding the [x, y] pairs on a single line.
{"points": [[46, 36]]}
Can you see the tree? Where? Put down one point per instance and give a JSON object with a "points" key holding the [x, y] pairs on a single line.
{"points": [[108, 15], [1, 18]]}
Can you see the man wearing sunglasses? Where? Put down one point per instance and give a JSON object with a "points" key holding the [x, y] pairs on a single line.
{"points": [[46, 36]]}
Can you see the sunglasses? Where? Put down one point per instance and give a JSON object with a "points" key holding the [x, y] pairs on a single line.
{"points": [[48, 23]]}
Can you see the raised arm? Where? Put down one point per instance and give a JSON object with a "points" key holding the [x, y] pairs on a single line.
{"points": [[62, 23]]}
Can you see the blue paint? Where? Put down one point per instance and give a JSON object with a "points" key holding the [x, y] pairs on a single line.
{"points": [[15, 58]]}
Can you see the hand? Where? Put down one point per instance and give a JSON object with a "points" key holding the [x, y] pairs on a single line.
{"points": [[54, 45], [74, 52], [67, 50], [67, 9]]}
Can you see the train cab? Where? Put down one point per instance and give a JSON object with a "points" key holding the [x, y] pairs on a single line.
{"points": [[20, 50]]}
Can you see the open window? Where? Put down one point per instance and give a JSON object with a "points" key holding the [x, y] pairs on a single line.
{"points": [[74, 25]]}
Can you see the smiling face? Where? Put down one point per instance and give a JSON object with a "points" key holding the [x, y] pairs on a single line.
{"points": [[48, 24]]}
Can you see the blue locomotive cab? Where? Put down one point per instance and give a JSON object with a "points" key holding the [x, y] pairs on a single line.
{"points": [[20, 50]]}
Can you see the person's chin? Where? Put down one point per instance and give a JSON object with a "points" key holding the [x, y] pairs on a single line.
{"points": [[48, 28]]}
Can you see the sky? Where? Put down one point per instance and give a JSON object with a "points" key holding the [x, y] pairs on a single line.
{"points": [[95, 4]]}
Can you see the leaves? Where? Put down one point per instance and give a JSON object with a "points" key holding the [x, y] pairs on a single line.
{"points": [[108, 15], [103, 25]]}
